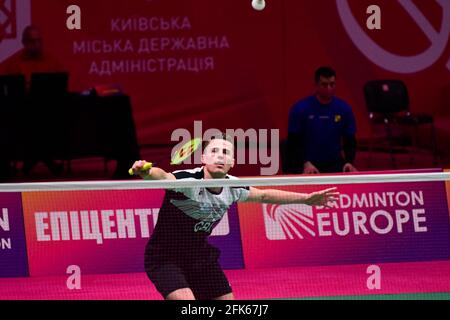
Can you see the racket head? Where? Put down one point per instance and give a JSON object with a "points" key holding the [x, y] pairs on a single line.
{"points": [[186, 151]]}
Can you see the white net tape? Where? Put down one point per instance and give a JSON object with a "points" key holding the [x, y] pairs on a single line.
{"points": [[210, 183]]}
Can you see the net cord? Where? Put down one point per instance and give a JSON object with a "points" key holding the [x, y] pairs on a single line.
{"points": [[210, 183]]}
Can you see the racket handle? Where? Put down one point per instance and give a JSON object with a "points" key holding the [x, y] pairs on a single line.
{"points": [[146, 167]]}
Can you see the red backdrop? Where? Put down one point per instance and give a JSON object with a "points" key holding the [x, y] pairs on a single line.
{"points": [[263, 61]]}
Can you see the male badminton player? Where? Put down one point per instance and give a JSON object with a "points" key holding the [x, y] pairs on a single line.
{"points": [[178, 259]]}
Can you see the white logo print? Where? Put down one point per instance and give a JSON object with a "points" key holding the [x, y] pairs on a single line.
{"points": [[288, 221], [15, 15], [221, 229], [394, 62]]}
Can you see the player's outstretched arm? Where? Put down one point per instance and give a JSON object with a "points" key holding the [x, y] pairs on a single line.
{"points": [[146, 171], [318, 198]]}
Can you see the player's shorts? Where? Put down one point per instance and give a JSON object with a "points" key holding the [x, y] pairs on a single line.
{"points": [[203, 275]]}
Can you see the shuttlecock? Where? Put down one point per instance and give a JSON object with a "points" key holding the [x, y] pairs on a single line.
{"points": [[258, 4]]}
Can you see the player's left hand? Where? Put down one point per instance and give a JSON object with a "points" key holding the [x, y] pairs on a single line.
{"points": [[348, 167], [322, 198]]}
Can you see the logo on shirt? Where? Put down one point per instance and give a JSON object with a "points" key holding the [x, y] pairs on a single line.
{"points": [[220, 229], [14, 17], [337, 118], [207, 214]]}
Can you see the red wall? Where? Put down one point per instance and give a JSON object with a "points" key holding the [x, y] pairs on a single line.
{"points": [[268, 66]]}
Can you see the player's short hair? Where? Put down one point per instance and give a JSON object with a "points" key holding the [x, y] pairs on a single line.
{"points": [[222, 136], [326, 72]]}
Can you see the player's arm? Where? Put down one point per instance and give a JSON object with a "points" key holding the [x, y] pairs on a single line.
{"points": [[156, 173], [146, 171], [318, 198]]}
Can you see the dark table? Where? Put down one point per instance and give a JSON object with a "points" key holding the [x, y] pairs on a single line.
{"points": [[69, 127]]}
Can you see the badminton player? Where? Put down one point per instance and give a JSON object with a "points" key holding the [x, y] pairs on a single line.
{"points": [[178, 258]]}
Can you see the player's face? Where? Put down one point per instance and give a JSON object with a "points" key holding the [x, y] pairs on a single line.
{"points": [[326, 88], [218, 157]]}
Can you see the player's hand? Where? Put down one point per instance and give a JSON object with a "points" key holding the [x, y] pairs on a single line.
{"points": [[348, 167], [309, 168], [141, 168], [322, 198]]}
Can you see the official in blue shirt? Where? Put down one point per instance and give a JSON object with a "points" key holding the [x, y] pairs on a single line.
{"points": [[322, 130]]}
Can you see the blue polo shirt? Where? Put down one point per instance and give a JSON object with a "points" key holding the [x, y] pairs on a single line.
{"points": [[321, 127]]}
